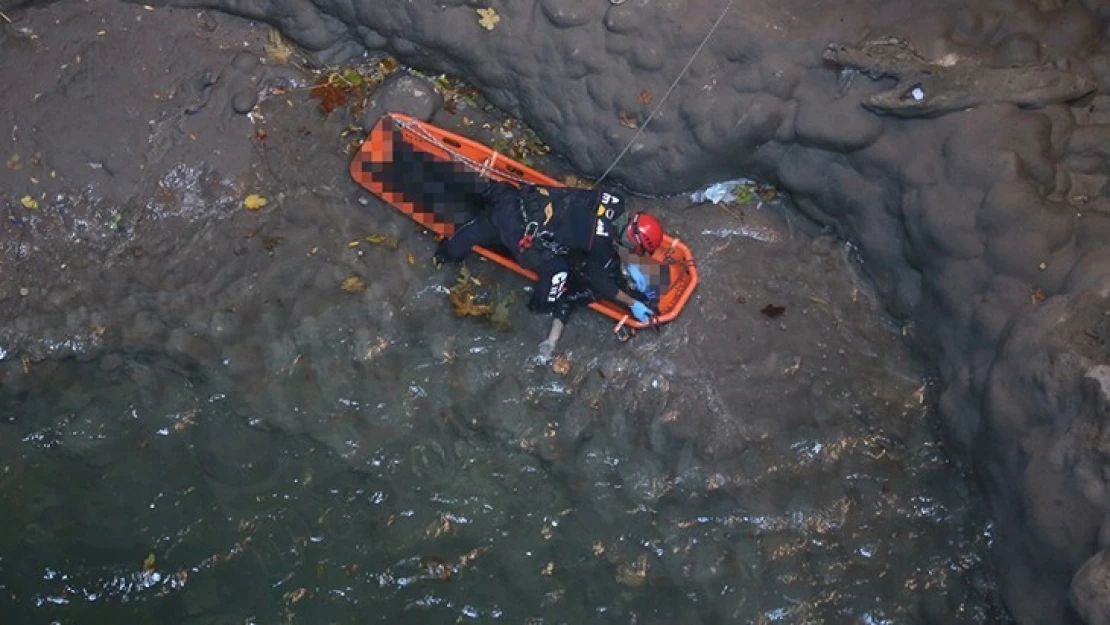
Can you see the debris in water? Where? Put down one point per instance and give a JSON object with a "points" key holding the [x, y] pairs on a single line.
{"points": [[773, 311]]}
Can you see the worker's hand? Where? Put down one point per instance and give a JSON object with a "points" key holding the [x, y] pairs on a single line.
{"points": [[641, 312], [546, 350], [638, 277]]}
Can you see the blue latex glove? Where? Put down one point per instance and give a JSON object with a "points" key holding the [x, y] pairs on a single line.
{"points": [[638, 278], [641, 312]]}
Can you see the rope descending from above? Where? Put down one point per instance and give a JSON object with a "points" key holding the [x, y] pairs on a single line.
{"points": [[674, 84]]}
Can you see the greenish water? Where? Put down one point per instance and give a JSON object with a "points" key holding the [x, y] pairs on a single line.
{"points": [[353, 466]]}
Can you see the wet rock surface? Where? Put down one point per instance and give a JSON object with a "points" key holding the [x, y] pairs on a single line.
{"points": [[983, 231]]}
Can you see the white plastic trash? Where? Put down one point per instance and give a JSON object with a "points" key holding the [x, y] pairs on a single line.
{"points": [[720, 192]]}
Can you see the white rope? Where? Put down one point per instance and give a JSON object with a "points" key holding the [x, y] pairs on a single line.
{"points": [[482, 167], [674, 84]]}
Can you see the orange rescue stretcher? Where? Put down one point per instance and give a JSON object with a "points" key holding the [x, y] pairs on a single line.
{"points": [[426, 173]]}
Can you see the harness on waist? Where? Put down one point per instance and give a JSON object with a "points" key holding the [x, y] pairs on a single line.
{"points": [[538, 215]]}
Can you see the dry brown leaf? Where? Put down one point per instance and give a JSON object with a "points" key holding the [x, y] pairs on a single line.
{"points": [[645, 97], [560, 365], [574, 181], [633, 573], [628, 121]]}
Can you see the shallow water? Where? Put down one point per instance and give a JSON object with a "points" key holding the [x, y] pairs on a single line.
{"points": [[392, 463]]}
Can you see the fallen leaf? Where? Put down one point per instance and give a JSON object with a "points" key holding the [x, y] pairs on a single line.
{"points": [[628, 121], [354, 284], [294, 596], [743, 194], [388, 65], [381, 239], [488, 18], [598, 548], [332, 92], [14, 163], [633, 573], [561, 365], [437, 568], [1039, 296], [773, 311], [412, 259], [277, 49], [270, 243], [29, 202], [148, 563], [645, 97], [574, 181], [254, 202]]}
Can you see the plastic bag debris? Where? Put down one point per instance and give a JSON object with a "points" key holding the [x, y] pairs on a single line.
{"points": [[720, 192]]}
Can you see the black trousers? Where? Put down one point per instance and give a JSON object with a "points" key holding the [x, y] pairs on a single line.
{"points": [[559, 288]]}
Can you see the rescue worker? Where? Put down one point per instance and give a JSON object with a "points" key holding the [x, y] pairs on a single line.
{"points": [[570, 238]]}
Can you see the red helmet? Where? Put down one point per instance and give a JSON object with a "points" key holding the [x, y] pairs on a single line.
{"points": [[645, 233]]}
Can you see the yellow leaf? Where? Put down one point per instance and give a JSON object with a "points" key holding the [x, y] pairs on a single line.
{"points": [[354, 284], [488, 18], [254, 202], [352, 243], [148, 564], [313, 251], [277, 49], [412, 259], [29, 202]]}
